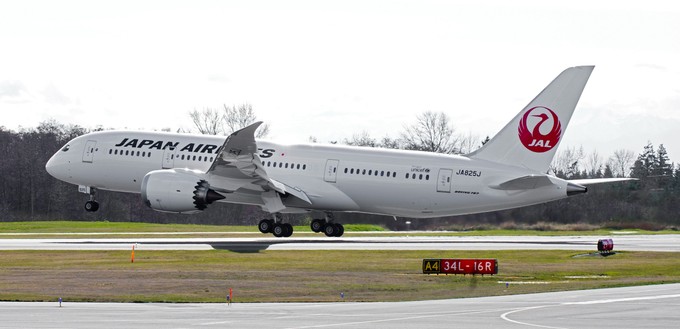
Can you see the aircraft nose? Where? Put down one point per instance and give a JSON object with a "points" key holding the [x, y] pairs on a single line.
{"points": [[56, 166]]}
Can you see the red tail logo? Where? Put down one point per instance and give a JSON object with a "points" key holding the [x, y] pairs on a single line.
{"points": [[535, 140]]}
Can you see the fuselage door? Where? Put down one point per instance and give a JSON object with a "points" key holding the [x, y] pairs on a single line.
{"points": [[444, 180], [168, 158], [331, 172], [88, 152]]}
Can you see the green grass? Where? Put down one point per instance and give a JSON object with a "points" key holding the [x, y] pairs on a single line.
{"points": [[127, 227], [52, 227], [306, 276]]}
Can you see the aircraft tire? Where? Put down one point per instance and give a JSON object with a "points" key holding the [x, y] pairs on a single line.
{"points": [[341, 230], [330, 230], [278, 230], [316, 225], [91, 206], [288, 230], [265, 226]]}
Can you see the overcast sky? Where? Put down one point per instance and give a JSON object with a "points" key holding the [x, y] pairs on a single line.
{"points": [[330, 69]]}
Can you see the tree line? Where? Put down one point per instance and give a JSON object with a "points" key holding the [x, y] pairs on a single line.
{"points": [[28, 192]]}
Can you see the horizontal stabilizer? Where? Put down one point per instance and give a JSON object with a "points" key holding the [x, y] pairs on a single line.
{"points": [[592, 181], [525, 183]]}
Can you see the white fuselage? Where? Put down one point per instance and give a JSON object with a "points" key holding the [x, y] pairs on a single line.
{"points": [[335, 178]]}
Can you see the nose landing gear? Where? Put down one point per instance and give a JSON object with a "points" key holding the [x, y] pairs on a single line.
{"points": [[92, 205]]}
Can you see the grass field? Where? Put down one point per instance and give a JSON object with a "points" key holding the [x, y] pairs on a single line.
{"points": [[310, 276], [300, 276]]}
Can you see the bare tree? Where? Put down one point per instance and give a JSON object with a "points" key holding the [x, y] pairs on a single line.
{"points": [[242, 116], [361, 139], [621, 162], [566, 163], [212, 122], [432, 132], [208, 121], [469, 143], [594, 164]]}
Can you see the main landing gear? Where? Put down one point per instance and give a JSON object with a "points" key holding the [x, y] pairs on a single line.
{"points": [[274, 226], [327, 226], [279, 229]]}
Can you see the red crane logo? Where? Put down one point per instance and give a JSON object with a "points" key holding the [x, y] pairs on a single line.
{"points": [[534, 140]]}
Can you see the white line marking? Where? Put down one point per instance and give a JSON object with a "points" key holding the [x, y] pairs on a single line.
{"points": [[619, 300], [504, 316]]}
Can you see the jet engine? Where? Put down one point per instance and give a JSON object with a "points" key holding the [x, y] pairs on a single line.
{"points": [[177, 191]]}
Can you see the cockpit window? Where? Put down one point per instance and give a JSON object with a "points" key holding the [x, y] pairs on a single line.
{"points": [[65, 148]]}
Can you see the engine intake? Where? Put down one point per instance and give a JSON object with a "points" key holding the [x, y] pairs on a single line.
{"points": [[177, 191]]}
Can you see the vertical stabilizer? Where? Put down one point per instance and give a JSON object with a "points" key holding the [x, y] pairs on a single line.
{"points": [[530, 140]]}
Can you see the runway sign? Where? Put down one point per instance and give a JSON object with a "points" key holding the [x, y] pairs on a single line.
{"points": [[460, 266]]}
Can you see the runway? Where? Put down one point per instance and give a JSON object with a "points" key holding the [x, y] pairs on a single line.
{"points": [[630, 307], [667, 243]]}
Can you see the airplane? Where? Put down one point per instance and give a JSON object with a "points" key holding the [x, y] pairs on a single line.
{"points": [[185, 173]]}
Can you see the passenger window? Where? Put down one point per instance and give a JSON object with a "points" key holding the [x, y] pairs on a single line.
{"points": [[351, 171], [370, 172], [304, 167], [420, 176], [280, 164], [427, 177], [286, 165], [345, 170], [363, 172], [194, 158], [171, 156], [298, 167], [115, 152], [110, 151], [406, 175], [382, 173], [394, 174]]}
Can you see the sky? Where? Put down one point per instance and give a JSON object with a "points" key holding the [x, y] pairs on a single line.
{"points": [[331, 69]]}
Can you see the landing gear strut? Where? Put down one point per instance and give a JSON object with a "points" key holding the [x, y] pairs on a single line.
{"points": [[276, 227], [327, 226], [92, 205]]}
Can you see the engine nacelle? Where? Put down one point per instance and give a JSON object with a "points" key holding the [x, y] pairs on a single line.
{"points": [[177, 191]]}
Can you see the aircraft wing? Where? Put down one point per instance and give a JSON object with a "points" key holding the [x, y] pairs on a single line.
{"points": [[238, 167]]}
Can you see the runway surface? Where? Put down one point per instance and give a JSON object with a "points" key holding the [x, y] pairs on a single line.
{"points": [[669, 243], [630, 307]]}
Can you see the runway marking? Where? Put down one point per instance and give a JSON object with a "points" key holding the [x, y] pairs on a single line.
{"points": [[618, 300], [504, 316], [345, 324]]}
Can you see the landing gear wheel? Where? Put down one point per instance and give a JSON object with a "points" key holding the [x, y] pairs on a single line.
{"points": [[330, 229], [278, 230], [91, 206], [265, 225], [317, 225], [341, 230], [288, 230]]}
